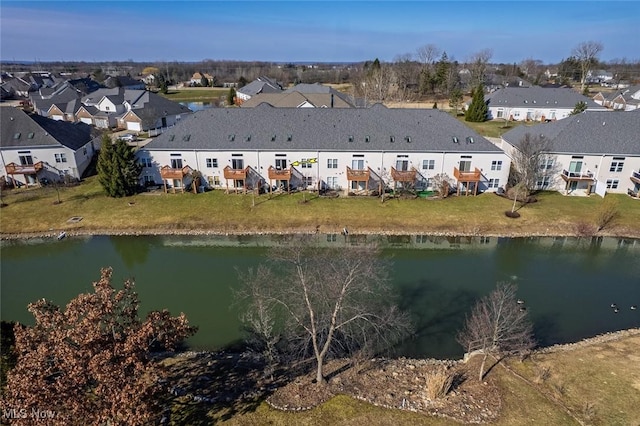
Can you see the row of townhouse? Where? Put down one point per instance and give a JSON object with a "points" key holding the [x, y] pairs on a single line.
{"points": [[536, 103], [626, 99], [357, 150], [590, 152], [34, 148]]}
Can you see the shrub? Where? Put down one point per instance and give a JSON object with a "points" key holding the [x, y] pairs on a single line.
{"points": [[439, 383], [606, 213]]}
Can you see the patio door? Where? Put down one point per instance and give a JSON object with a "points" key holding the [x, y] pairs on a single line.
{"points": [[237, 164], [357, 164], [176, 163], [465, 166], [402, 165], [26, 160], [575, 167]]}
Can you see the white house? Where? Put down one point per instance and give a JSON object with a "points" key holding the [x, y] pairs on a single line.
{"points": [[354, 150], [591, 152], [535, 103], [35, 147]]}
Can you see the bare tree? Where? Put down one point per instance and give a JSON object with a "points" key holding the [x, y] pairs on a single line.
{"points": [[478, 63], [499, 325], [91, 363], [587, 55], [428, 54], [333, 302], [532, 163]]}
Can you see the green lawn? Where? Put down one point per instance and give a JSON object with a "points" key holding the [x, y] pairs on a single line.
{"points": [[34, 211]]}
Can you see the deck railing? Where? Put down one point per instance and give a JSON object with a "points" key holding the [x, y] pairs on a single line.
{"points": [[467, 176], [403, 175], [567, 175], [24, 169], [358, 174]]}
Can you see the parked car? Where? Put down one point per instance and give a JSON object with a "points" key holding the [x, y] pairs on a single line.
{"points": [[129, 137]]}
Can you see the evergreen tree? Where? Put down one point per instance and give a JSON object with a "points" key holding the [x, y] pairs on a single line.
{"points": [[581, 106], [231, 97], [118, 170], [477, 111]]}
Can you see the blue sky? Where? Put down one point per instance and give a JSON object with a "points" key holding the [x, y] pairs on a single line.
{"points": [[309, 31]]}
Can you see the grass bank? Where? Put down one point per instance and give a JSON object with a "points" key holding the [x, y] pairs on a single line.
{"points": [[35, 210]]}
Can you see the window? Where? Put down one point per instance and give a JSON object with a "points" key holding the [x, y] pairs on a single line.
{"points": [[176, 163], [145, 162], [331, 238], [428, 164], [61, 158], [148, 180], [357, 164], [612, 183], [494, 183], [305, 163], [543, 183], [26, 160], [84, 150], [307, 181], [500, 113], [281, 163], [616, 165], [546, 164], [212, 162], [332, 163], [496, 165]]}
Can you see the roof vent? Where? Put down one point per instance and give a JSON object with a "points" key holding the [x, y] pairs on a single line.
{"points": [[289, 137], [367, 138], [232, 138], [470, 139], [407, 139], [273, 138], [248, 138], [392, 139], [455, 139], [604, 122], [350, 138]]}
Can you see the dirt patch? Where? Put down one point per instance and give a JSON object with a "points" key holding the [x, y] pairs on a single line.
{"points": [[398, 384]]}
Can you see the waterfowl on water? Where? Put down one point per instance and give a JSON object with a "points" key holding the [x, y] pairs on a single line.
{"points": [[613, 305], [634, 307], [520, 302], [615, 310], [522, 309]]}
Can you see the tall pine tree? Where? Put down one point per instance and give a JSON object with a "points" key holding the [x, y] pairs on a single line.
{"points": [[118, 170], [477, 111]]}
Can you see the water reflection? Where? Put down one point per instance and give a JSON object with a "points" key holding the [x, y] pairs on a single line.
{"points": [[568, 283]]}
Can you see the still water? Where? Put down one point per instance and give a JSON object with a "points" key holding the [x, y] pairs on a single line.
{"points": [[567, 284]]}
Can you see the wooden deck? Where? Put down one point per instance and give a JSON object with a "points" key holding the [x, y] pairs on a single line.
{"points": [[469, 178], [24, 169]]}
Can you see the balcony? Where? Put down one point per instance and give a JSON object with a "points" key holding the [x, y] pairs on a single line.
{"points": [[635, 176], [24, 169], [235, 174], [403, 175], [279, 174], [467, 176], [576, 176], [168, 173], [360, 175]]}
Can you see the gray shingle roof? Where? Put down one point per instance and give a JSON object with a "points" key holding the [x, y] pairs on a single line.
{"points": [[261, 85], [20, 129], [321, 129], [538, 97], [588, 133]]}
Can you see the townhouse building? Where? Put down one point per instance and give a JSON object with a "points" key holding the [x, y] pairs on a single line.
{"points": [[596, 152], [344, 149]]}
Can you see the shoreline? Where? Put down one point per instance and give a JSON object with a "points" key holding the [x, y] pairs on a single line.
{"points": [[214, 232]]}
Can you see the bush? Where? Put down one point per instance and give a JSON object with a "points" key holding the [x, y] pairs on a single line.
{"points": [[439, 383], [606, 213]]}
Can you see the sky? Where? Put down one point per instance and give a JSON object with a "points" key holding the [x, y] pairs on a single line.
{"points": [[312, 31]]}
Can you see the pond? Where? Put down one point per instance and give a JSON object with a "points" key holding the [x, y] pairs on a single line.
{"points": [[568, 284], [198, 106]]}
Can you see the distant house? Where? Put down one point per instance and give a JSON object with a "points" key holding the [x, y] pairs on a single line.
{"points": [[125, 82], [257, 86], [599, 76], [535, 103], [591, 152], [196, 78], [627, 99], [303, 96], [35, 147], [137, 110]]}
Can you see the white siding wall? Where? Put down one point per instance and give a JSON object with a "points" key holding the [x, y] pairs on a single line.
{"points": [[536, 113], [600, 166], [47, 156], [320, 172]]}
